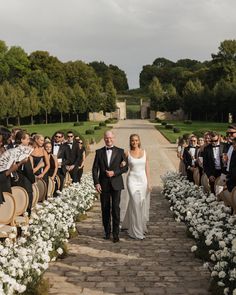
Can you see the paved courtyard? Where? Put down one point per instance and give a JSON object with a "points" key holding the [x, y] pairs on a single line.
{"points": [[160, 264]]}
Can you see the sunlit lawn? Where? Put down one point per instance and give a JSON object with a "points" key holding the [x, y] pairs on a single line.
{"points": [[191, 128], [50, 129]]}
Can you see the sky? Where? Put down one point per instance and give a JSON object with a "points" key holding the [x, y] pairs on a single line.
{"points": [[126, 33]]}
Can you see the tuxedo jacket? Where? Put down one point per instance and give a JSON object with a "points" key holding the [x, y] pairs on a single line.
{"points": [[74, 153], [187, 159], [100, 166], [208, 159], [231, 177], [64, 154]]}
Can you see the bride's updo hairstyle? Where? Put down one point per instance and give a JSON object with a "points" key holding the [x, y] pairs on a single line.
{"points": [[131, 137]]}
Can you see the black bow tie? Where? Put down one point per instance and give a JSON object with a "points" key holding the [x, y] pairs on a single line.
{"points": [[214, 146], [70, 143], [57, 144], [109, 148], [193, 147]]}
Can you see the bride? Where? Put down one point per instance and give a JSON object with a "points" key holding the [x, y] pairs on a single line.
{"points": [[138, 186]]}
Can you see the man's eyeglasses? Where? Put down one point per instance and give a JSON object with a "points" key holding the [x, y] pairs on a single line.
{"points": [[80, 142], [58, 136], [216, 140], [70, 135]]}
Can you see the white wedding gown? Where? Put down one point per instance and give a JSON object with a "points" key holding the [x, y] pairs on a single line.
{"points": [[137, 214]]}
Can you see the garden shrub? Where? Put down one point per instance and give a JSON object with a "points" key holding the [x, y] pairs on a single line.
{"points": [[89, 131], [169, 126]]}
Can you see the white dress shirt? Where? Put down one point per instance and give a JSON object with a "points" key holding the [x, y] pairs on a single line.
{"points": [[56, 149], [109, 154], [229, 154], [216, 153]]}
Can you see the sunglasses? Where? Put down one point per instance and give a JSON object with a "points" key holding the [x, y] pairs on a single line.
{"points": [[70, 135], [214, 140], [58, 136], [81, 142]]}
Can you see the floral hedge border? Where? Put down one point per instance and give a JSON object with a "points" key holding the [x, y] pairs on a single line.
{"points": [[22, 263], [212, 226]]}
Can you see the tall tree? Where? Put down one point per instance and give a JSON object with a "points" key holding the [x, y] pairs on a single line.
{"points": [[79, 102], [156, 95], [47, 100], [110, 104]]}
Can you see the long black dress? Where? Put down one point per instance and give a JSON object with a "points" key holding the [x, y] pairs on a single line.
{"points": [[5, 185]]}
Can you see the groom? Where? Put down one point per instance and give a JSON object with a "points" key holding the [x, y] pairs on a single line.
{"points": [[108, 166]]}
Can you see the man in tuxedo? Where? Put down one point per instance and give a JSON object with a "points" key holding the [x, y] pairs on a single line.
{"points": [[190, 156], [212, 159], [231, 176], [73, 168], [109, 165], [61, 150]]}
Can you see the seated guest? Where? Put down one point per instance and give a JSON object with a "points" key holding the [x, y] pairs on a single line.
{"points": [[40, 159], [25, 171], [61, 150], [212, 159], [190, 156], [5, 175], [231, 177], [231, 135]]}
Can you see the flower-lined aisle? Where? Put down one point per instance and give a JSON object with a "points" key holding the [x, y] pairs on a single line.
{"points": [[212, 226], [23, 263]]}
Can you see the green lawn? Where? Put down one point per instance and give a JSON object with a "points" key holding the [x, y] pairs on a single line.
{"points": [[190, 128], [50, 129]]}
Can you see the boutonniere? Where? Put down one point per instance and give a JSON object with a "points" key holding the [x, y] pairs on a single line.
{"points": [[122, 164]]}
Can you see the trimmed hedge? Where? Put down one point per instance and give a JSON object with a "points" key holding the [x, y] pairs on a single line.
{"points": [[176, 130], [89, 131], [102, 124], [163, 123], [97, 128], [169, 126], [188, 122]]}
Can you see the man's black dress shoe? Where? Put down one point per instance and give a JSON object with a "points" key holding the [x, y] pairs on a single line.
{"points": [[115, 239], [106, 237]]}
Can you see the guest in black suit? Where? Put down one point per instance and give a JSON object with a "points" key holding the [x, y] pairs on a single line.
{"points": [[25, 171], [107, 176], [62, 151], [73, 168], [212, 159], [231, 177], [190, 157]]}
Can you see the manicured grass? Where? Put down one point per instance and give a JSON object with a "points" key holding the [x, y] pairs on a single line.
{"points": [[191, 128], [50, 129]]}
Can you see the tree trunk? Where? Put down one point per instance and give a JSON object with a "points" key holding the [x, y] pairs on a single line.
{"points": [[7, 121], [206, 117], [77, 117], [32, 120], [18, 120], [46, 117], [61, 117]]}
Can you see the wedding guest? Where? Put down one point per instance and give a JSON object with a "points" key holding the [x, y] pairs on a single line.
{"points": [[228, 150], [52, 172], [40, 158], [62, 151], [212, 159], [5, 179], [190, 156], [82, 156], [180, 150], [231, 177], [25, 171], [73, 167]]}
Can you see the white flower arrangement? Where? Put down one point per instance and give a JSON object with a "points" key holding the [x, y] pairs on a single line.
{"points": [[210, 223], [23, 262]]}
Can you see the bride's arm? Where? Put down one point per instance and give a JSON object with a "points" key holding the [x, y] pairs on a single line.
{"points": [[147, 170]]}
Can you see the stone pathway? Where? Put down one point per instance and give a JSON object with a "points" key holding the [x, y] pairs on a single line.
{"points": [[160, 264]]}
